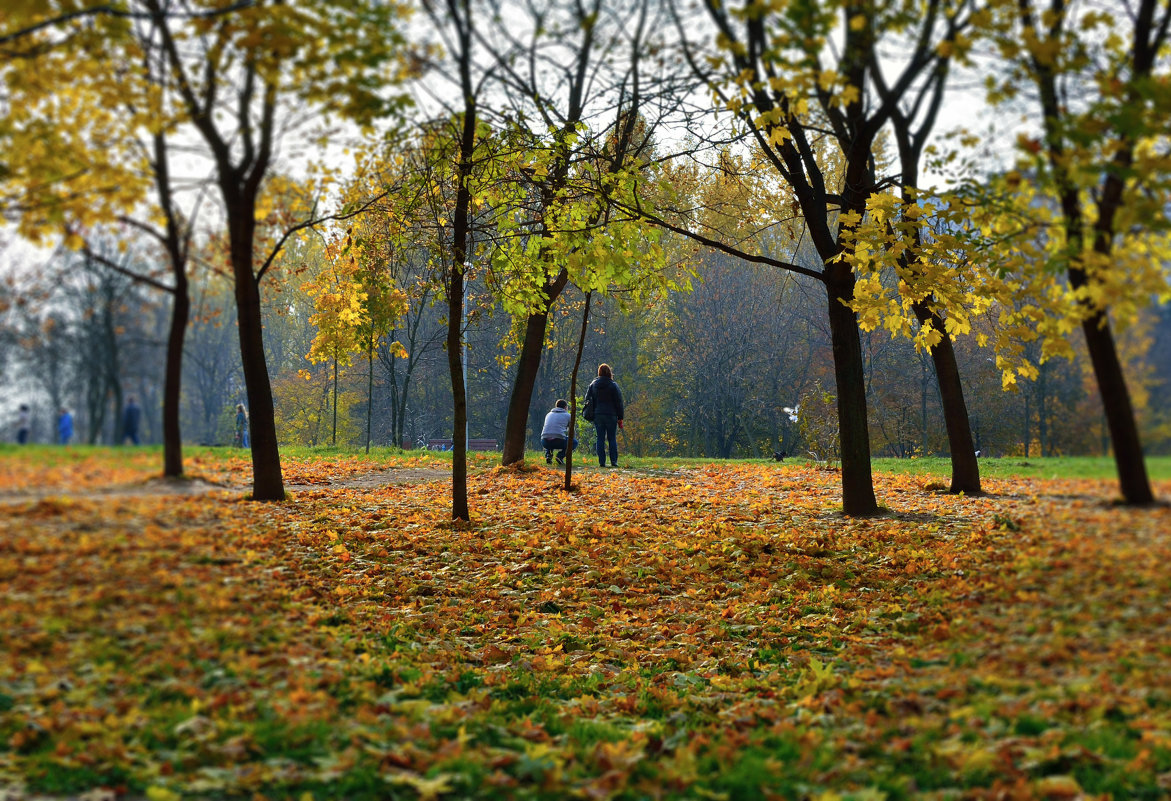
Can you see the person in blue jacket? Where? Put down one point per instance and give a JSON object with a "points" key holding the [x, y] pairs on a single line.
{"points": [[608, 413], [131, 417], [64, 426]]}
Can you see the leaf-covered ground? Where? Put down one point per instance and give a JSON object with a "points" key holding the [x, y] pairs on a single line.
{"points": [[710, 633]]}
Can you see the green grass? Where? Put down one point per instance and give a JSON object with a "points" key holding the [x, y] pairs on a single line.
{"points": [[1092, 467], [1095, 467]]}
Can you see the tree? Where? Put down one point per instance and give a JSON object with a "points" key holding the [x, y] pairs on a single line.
{"points": [[224, 71], [773, 71], [230, 89], [105, 150], [458, 137], [1100, 80]]}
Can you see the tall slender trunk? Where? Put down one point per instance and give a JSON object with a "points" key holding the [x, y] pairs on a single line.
{"points": [[461, 231], [1043, 411], [180, 313], [369, 390], [333, 430], [581, 338], [1028, 435], [172, 436], [459, 435], [924, 431]]}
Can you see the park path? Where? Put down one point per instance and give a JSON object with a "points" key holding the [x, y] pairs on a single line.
{"points": [[158, 487], [163, 487]]}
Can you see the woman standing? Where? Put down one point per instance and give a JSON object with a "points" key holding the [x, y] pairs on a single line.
{"points": [[241, 426], [608, 413]]}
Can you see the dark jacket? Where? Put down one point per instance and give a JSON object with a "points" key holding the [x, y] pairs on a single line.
{"points": [[607, 397], [131, 417]]}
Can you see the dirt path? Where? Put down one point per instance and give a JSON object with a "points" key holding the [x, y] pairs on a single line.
{"points": [[193, 487], [163, 487]]}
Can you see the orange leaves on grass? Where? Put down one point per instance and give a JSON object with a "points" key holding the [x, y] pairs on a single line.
{"points": [[686, 633]]}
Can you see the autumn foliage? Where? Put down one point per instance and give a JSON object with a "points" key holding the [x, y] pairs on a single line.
{"points": [[718, 632]]}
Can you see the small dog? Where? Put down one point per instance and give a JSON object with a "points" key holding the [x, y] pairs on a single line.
{"points": [[779, 456]]}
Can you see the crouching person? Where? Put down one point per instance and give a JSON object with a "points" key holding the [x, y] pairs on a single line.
{"points": [[555, 432]]}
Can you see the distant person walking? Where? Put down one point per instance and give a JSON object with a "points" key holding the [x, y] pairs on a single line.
{"points": [[131, 417], [24, 419], [608, 413], [241, 439], [555, 432], [64, 426]]}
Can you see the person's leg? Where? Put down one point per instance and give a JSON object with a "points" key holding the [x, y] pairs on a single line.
{"points": [[600, 430], [612, 436], [547, 444]]}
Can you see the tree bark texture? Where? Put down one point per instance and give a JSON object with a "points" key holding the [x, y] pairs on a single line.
{"points": [[172, 382], [854, 432], [1128, 451], [267, 481], [527, 368], [459, 436], [569, 435]]}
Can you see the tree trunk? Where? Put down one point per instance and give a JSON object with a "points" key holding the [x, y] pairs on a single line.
{"points": [[267, 482], [854, 433], [1128, 450], [172, 436], [459, 436], [527, 368], [516, 423], [369, 391], [1028, 436], [965, 467], [585, 320], [461, 233]]}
